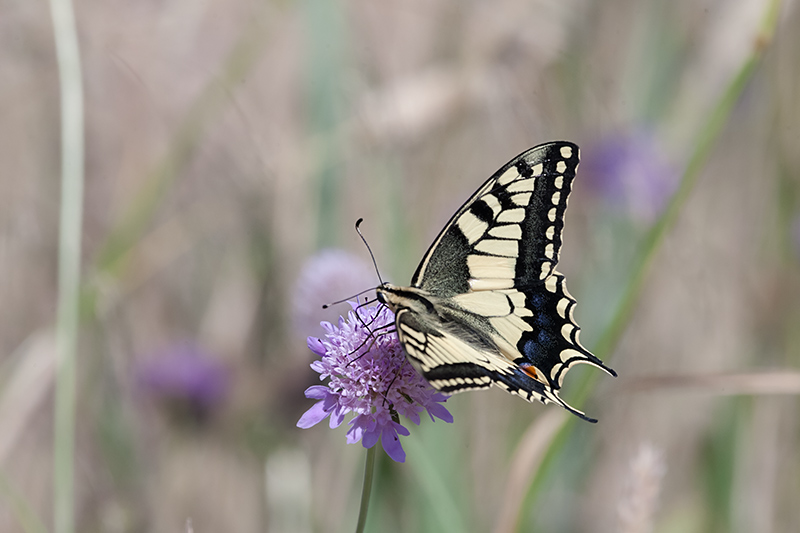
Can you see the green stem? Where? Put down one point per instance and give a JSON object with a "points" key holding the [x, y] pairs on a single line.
{"points": [[366, 491], [705, 143], [72, 170], [654, 238]]}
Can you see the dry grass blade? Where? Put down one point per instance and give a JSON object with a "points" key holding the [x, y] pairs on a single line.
{"points": [[783, 382], [26, 389], [527, 457], [637, 508]]}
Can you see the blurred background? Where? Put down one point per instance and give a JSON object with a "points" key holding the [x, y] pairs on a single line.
{"points": [[232, 144]]}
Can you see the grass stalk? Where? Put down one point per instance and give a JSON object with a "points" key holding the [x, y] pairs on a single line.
{"points": [[653, 240], [366, 489], [69, 258]]}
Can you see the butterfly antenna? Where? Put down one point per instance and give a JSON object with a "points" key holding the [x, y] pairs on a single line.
{"points": [[375, 263], [325, 306]]}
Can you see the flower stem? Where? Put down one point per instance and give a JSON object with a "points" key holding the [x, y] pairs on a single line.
{"points": [[69, 259], [366, 490]]}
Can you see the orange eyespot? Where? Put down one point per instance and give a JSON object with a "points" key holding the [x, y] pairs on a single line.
{"points": [[531, 371]]}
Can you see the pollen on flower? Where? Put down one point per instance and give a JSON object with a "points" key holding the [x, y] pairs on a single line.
{"points": [[369, 375]]}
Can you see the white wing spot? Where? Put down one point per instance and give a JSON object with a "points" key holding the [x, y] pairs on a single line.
{"points": [[517, 298], [488, 304], [551, 231], [492, 201], [566, 331], [561, 307], [490, 284], [507, 231], [508, 176], [570, 353], [559, 182], [510, 328], [564, 288], [486, 266], [523, 311], [556, 197], [472, 227], [552, 214], [537, 169], [545, 270], [511, 215], [550, 284], [561, 167], [548, 251], [505, 248], [555, 370], [566, 152], [526, 185], [523, 198], [414, 334]]}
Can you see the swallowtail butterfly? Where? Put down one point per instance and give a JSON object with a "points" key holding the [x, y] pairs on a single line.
{"points": [[486, 305]]}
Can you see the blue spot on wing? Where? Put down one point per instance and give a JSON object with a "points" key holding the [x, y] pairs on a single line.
{"points": [[535, 353]]}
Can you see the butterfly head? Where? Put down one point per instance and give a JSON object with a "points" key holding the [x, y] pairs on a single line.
{"points": [[411, 298], [385, 292]]}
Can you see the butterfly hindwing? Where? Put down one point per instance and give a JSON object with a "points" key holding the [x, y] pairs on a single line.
{"points": [[457, 349], [486, 305]]}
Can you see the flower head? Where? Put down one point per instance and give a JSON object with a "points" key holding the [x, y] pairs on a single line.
{"points": [[371, 377], [186, 379], [325, 277], [631, 172]]}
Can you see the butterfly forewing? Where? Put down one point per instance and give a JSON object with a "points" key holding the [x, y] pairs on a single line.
{"points": [[509, 233], [486, 305]]}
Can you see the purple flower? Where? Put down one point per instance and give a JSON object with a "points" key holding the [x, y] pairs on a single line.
{"points": [[371, 377], [186, 379], [631, 172], [327, 276]]}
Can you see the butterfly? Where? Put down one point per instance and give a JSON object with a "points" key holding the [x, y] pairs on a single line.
{"points": [[486, 305]]}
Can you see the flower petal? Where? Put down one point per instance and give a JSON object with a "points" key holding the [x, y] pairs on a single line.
{"points": [[337, 416], [358, 427], [318, 392], [413, 416], [313, 416], [370, 438], [391, 445], [316, 346], [439, 411]]}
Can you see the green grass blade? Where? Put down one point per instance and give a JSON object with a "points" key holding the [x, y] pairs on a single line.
{"points": [[69, 258]]}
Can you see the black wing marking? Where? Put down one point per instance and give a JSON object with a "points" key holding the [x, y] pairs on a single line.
{"points": [[452, 365], [521, 341], [496, 311], [508, 234]]}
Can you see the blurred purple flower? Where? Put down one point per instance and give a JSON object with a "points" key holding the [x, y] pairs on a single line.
{"points": [[377, 384], [631, 172], [327, 276], [186, 379]]}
